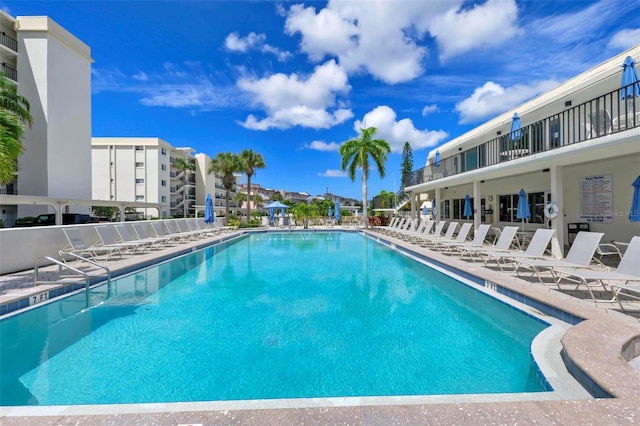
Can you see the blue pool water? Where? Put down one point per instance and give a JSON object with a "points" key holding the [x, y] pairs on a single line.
{"points": [[270, 316]]}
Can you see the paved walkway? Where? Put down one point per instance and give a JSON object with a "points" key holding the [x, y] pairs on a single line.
{"points": [[598, 345]]}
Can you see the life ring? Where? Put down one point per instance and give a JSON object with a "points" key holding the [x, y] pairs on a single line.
{"points": [[551, 210], [434, 211]]}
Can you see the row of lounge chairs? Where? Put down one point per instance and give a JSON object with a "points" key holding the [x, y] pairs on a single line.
{"points": [[580, 267], [123, 238]]}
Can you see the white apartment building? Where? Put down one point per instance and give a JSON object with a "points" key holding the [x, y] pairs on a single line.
{"points": [[146, 170], [576, 154], [52, 69]]}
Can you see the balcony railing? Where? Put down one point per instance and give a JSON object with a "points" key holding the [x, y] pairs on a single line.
{"points": [[8, 191], [604, 115], [10, 72], [8, 41]]}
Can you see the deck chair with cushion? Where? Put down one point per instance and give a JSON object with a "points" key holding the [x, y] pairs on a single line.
{"points": [[628, 271], [79, 246], [507, 235], [535, 250], [580, 255], [477, 241]]}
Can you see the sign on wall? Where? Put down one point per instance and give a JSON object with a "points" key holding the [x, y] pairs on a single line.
{"points": [[596, 199]]}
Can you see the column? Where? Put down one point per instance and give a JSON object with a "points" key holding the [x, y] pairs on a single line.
{"points": [[438, 201], [476, 205], [557, 196]]}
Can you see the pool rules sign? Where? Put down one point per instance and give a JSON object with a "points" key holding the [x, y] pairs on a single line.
{"points": [[596, 199]]}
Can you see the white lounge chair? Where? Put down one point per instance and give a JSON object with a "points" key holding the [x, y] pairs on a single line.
{"points": [[477, 241], [448, 236], [535, 250], [78, 245], [505, 240], [107, 239], [419, 229], [580, 255], [460, 238], [127, 237], [422, 231], [143, 234], [628, 271], [437, 232]]}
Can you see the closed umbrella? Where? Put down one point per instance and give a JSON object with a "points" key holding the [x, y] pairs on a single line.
{"points": [[523, 211], [209, 217], [337, 213], [329, 213], [272, 215], [436, 161], [634, 213], [468, 212], [516, 128], [630, 81], [424, 210]]}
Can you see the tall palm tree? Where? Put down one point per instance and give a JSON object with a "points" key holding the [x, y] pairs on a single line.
{"points": [[250, 161], [184, 166], [14, 115], [355, 154], [226, 164]]}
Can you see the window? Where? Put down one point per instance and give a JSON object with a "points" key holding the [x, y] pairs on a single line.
{"points": [[444, 211], [139, 181], [163, 151], [139, 164], [163, 167], [139, 197], [457, 208], [163, 199], [139, 148], [508, 207], [163, 182]]}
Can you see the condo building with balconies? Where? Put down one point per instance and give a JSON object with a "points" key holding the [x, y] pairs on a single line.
{"points": [[149, 170], [52, 70], [576, 153]]}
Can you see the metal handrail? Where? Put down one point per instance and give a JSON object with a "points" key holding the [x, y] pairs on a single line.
{"points": [[63, 265], [604, 115]]}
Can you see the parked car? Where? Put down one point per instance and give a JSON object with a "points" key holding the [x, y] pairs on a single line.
{"points": [[50, 219]]}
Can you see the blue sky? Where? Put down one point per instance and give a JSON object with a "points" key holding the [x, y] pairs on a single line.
{"points": [[294, 80]]}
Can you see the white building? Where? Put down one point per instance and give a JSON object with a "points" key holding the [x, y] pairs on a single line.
{"points": [[52, 69], [146, 170], [578, 150]]}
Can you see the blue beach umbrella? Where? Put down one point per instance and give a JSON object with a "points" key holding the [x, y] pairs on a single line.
{"points": [[523, 211], [436, 161], [337, 213], [468, 212], [424, 210], [630, 81], [516, 128], [272, 214], [209, 217], [634, 213]]}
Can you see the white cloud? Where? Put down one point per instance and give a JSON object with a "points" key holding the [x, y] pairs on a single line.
{"points": [[483, 25], [323, 146], [236, 43], [397, 133], [293, 100], [377, 37], [491, 99], [429, 109], [333, 173], [141, 76], [625, 39]]}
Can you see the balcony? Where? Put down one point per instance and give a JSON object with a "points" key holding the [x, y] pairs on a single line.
{"points": [[8, 41], [8, 191], [10, 72], [605, 115]]}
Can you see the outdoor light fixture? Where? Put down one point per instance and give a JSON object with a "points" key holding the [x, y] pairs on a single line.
{"points": [[567, 103], [545, 170], [499, 132]]}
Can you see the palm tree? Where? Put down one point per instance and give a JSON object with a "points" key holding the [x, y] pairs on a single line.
{"points": [[250, 161], [355, 154], [184, 166], [226, 164], [14, 115]]}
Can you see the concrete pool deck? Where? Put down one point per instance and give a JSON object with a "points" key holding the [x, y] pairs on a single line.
{"points": [[601, 346]]}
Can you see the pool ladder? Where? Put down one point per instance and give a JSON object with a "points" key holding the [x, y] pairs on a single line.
{"points": [[63, 265]]}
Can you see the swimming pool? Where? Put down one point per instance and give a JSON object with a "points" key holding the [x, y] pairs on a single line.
{"points": [[287, 315]]}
